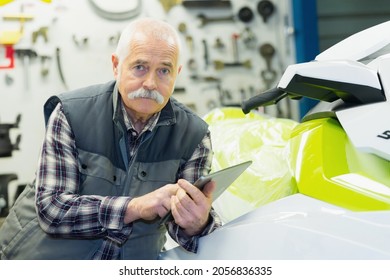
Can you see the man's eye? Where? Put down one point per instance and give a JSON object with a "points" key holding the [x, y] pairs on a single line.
{"points": [[140, 68], [165, 71]]}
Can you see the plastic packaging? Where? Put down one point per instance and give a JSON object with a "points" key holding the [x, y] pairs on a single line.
{"points": [[237, 137]]}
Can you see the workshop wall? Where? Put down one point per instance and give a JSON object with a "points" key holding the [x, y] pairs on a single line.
{"points": [[338, 20], [67, 44]]}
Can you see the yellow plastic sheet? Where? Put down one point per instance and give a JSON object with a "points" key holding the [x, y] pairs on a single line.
{"points": [[237, 137]]}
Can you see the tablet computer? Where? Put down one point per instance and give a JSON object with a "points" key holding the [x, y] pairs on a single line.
{"points": [[223, 179]]}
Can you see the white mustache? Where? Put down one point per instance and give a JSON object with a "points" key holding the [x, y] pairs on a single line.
{"points": [[144, 93]]}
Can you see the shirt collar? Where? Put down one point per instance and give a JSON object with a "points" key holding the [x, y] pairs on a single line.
{"points": [[150, 125]]}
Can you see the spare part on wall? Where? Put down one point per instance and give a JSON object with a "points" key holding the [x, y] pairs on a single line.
{"points": [[6, 146], [265, 8], [245, 14], [100, 8]]}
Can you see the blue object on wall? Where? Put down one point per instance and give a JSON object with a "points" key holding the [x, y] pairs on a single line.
{"points": [[306, 40]]}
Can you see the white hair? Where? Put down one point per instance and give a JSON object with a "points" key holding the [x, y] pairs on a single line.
{"points": [[158, 29]]}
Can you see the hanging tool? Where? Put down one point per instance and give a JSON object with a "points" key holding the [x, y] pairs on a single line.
{"points": [[41, 32], [219, 44], [12, 37], [8, 79], [21, 17], [249, 38], [169, 4], [267, 51], [59, 67], [9, 54], [26, 55], [205, 54], [245, 14], [6, 146], [265, 8], [9, 39], [235, 37], [219, 65], [182, 27], [18, 17], [203, 20], [114, 39], [45, 59], [80, 42], [207, 4], [206, 78], [191, 63]]}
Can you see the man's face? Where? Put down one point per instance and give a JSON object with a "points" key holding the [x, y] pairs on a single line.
{"points": [[152, 65]]}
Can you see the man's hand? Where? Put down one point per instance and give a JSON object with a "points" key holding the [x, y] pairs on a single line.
{"points": [[151, 205], [191, 207]]}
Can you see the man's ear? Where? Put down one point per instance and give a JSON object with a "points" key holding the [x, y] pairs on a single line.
{"points": [[115, 64]]}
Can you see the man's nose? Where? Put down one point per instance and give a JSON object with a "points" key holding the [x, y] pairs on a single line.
{"points": [[150, 81]]}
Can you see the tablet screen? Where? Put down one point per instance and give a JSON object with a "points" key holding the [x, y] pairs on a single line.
{"points": [[223, 179]]}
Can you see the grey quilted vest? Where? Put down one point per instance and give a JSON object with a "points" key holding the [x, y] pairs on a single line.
{"points": [[106, 170]]}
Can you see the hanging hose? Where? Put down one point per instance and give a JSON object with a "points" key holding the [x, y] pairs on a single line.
{"points": [[124, 15], [59, 67]]}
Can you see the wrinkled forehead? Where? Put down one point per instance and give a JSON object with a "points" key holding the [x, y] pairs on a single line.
{"points": [[154, 34]]}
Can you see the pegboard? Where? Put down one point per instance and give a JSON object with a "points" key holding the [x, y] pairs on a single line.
{"points": [[215, 38], [83, 41]]}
